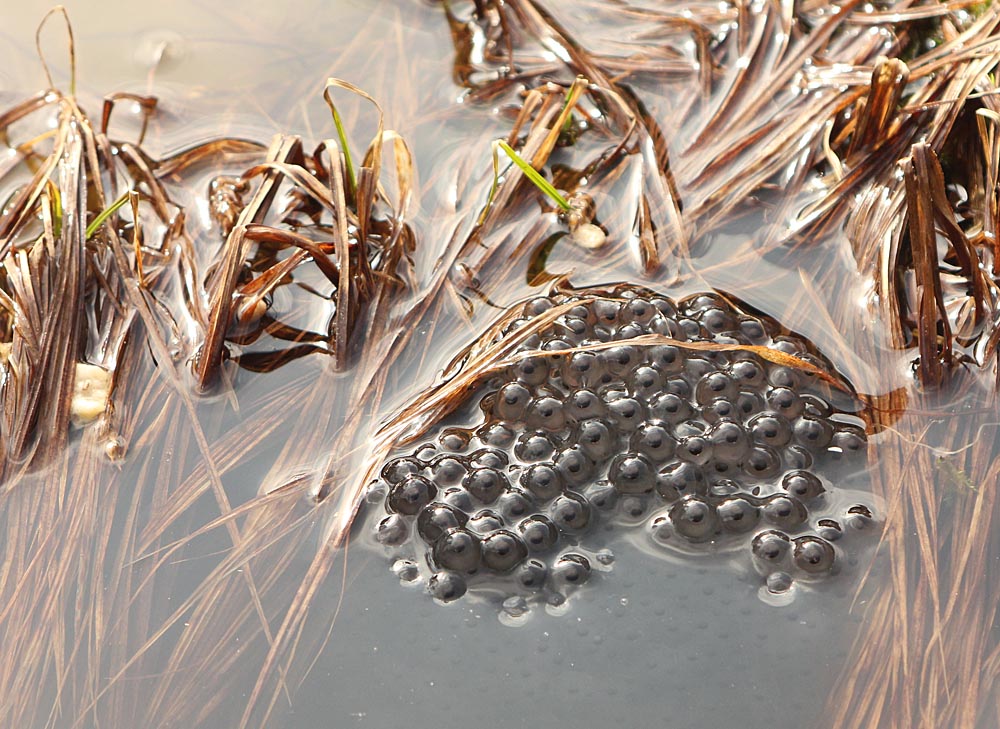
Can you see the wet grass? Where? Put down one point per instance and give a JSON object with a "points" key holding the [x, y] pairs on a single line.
{"points": [[301, 310]]}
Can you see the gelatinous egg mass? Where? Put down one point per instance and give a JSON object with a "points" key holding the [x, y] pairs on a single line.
{"points": [[693, 435]]}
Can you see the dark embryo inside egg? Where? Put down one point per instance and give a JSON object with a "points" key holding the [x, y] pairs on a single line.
{"points": [[705, 428]]}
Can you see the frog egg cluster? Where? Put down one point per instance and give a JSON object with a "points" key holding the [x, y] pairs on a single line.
{"points": [[699, 447]]}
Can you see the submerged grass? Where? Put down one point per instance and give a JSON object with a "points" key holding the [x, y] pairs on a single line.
{"points": [[798, 125]]}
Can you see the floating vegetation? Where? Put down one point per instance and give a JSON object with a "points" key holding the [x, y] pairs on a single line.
{"points": [[707, 425], [250, 328], [337, 221]]}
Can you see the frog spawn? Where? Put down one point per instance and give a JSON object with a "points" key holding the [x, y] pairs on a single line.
{"points": [[704, 450]]}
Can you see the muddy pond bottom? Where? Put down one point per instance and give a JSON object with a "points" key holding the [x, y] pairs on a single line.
{"points": [[696, 424]]}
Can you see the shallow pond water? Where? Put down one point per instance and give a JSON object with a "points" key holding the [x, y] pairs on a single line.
{"points": [[660, 640]]}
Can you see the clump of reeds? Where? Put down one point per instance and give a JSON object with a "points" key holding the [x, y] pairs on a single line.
{"points": [[797, 124], [338, 218], [105, 304]]}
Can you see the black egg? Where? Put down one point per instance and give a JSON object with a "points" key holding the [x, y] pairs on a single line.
{"points": [[762, 462], [689, 329], [516, 324], [664, 306], [538, 533], [748, 373], [770, 429], [752, 330], [411, 494], [436, 518], [605, 311], [638, 310], [514, 504], [802, 485], [669, 407], [813, 433], [485, 484], [496, 435], [829, 529], [621, 360], [626, 413], [633, 506], [771, 546], [426, 453], [531, 371], [632, 473], [694, 519], [860, 517], [596, 439], [574, 465], [454, 439], [459, 498], [698, 367], [654, 441], [714, 385], [602, 333], [574, 326], [448, 470], [542, 481], [738, 514], [531, 575], [446, 586], [730, 442], [399, 468], [502, 551], [645, 381], [584, 404], [570, 511], [718, 320], [485, 521], [601, 495], [787, 345], [667, 358], [785, 402], [533, 446], [629, 331], [813, 555], [512, 401], [679, 478], [721, 408], [571, 570], [778, 582], [538, 305], [556, 344], [786, 512], [667, 327], [488, 458], [849, 440], [583, 369], [677, 385], [749, 403], [546, 413], [696, 449], [457, 549], [392, 530], [784, 377]]}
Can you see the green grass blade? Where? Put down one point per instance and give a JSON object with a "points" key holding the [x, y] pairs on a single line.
{"points": [[105, 214], [493, 187], [540, 182], [342, 135], [56, 206]]}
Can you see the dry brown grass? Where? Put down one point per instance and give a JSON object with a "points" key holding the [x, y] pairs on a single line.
{"points": [[801, 127]]}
